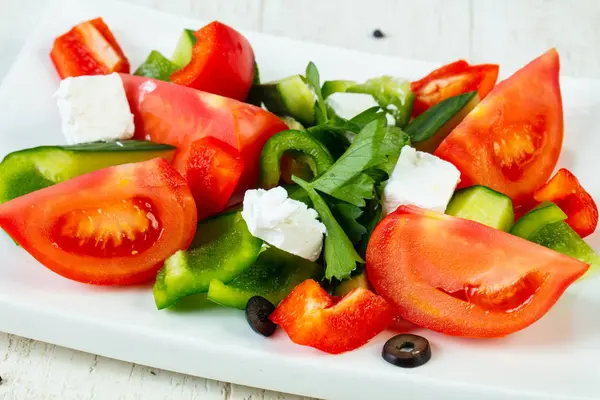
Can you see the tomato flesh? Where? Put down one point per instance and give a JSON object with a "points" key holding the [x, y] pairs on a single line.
{"points": [[451, 80], [118, 229], [112, 226], [511, 141], [463, 278], [177, 115]]}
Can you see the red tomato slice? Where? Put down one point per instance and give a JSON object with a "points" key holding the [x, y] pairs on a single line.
{"points": [[451, 80], [222, 63], [311, 317], [177, 115], [511, 141], [566, 192], [212, 169], [114, 226], [463, 278]]}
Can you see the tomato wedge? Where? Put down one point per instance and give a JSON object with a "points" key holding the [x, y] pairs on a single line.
{"points": [[463, 278], [511, 141], [89, 48], [222, 63], [451, 80], [177, 115], [311, 317], [113, 226], [566, 192]]}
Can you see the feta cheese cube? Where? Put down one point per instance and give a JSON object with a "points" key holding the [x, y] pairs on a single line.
{"points": [[284, 223], [94, 108], [420, 179]]}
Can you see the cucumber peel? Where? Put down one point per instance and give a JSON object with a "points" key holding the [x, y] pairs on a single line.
{"points": [[28, 170], [290, 97]]}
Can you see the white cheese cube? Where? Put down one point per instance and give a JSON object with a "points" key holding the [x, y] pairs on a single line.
{"points": [[420, 179], [94, 108], [284, 223]]}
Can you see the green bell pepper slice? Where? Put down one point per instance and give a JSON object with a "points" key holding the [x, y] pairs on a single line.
{"points": [[273, 276], [291, 141], [545, 226], [392, 94], [222, 249]]}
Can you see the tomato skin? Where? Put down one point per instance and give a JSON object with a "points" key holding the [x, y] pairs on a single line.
{"points": [[32, 221], [566, 192], [177, 115], [511, 141], [463, 278], [451, 80], [311, 317], [222, 63]]}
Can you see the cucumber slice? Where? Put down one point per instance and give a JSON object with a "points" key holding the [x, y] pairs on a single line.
{"points": [[156, 66], [483, 205], [28, 170], [290, 97], [429, 129], [544, 214], [222, 249], [183, 52], [273, 276]]}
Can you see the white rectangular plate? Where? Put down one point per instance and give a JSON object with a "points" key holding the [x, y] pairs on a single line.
{"points": [[556, 358]]}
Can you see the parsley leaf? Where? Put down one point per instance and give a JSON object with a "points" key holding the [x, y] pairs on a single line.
{"points": [[314, 81], [340, 255], [355, 190], [364, 118], [395, 140], [347, 215], [341, 180]]}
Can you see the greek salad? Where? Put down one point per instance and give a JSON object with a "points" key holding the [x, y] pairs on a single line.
{"points": [[438, 204]]}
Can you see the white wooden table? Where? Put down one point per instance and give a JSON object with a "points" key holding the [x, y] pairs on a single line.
{"points": [[509, 32]]}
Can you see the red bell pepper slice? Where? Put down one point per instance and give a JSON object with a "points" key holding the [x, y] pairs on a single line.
{"points": [[451, 80], [212, 169], [222, 63], [89, 48], [311, 317], [566, 192]]}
